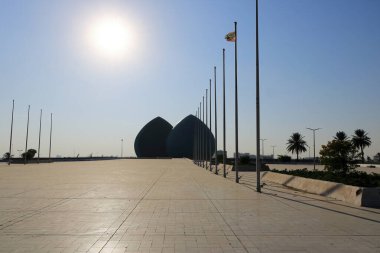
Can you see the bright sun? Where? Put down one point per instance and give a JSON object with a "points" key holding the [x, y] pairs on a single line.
{"points": [[110, 36]]}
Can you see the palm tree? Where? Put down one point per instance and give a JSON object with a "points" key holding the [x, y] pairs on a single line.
{"points": [[340, 136], [296, 144], [360, 141]]}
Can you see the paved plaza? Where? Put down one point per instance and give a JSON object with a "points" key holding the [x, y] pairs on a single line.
{"points": [[169, 206]]}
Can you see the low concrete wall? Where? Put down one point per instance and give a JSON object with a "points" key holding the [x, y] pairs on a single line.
{"points": [[360, 196]]}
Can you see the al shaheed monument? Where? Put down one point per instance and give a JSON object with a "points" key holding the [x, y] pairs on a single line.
{"points": [[158, 138]]}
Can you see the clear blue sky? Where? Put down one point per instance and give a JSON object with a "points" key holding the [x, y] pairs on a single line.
{"points": [[319, 68]]}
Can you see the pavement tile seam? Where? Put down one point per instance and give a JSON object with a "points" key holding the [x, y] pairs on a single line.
{"points": [[33, 213], [225, 222], [143, 194]]}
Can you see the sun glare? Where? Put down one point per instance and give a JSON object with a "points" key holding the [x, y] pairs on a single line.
{"points": [[110, 36]]}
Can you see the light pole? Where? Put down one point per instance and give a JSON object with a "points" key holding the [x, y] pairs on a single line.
{"points": [[313, 129], [273, 151], [262, 145]]}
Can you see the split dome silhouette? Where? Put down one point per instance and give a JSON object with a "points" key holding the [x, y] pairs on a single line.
{"points": [[158, 138]]}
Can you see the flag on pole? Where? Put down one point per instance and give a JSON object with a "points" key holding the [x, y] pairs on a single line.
{"points": [[231, 37]]}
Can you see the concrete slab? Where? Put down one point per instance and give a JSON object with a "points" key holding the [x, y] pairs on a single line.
{"points": [[169, 206]]}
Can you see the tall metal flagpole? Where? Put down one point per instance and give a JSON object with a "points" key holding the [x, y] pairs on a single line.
{"points": [[51, 130], [199, 135], [194, 138], [224, 113], [10, 139], [236, 112], [206, 132], [39, 138], [216, 126], [200, 129], [27, 134], [210, 130], [258, 164], [203, 131]]}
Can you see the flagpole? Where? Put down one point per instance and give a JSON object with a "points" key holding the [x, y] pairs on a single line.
{"points": [[210, 130], [10, 139], [193, 157], [216, 126], [224, 114], [236, 112], [258, 163], [27, 134], [39, 138], [195, 138], [51, 130], [206, 132], [200, 129], [203, 131], [199, 136], [197, 126]]}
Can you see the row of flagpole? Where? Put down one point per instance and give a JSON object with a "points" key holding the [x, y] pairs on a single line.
{"points": [[202, 141], [27, 135]]}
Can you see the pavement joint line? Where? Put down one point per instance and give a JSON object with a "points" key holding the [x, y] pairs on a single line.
{"points": [[144, 193], [220, 214], [33, 213], [36, 212]]}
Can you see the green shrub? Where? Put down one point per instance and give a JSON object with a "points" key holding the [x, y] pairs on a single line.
{"points": [[284, 158], [339, 156], [355, 178], [29, 155]]}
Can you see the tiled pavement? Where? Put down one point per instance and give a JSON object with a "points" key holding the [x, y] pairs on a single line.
{"points": [[169, 206]]}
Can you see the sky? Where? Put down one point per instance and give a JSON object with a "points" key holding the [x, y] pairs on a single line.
{"points": [[319, 67]]}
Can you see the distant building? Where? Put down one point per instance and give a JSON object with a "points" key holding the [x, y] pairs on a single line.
{"points": [[253, 157]]}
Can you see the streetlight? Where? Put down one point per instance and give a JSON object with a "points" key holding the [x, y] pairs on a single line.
{"points": [[313, 129], [273, 151], [262, 145]]}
